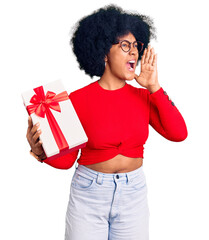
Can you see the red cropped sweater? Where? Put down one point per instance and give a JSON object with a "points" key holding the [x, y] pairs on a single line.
{"points": [[117, 122]]}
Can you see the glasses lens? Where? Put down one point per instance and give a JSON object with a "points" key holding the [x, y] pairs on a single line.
{"points": [[125, 46], [139, 46]]}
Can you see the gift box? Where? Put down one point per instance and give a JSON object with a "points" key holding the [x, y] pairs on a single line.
{"points": [[62, 131]]}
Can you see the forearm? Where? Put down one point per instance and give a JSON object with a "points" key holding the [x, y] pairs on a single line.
{"points": [[154, 88], [165, 118], [62, 162]]}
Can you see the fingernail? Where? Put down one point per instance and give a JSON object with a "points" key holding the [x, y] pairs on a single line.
{"points": [[37, 124]]}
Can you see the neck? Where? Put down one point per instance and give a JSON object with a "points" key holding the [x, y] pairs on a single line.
{"points": [[111, 82]]}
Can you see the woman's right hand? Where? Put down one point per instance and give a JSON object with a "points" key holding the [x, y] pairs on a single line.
{"points": [[33, 138]]}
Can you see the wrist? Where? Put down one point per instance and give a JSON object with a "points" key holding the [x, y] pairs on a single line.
{"points": [[40, 157], [154, 88]]}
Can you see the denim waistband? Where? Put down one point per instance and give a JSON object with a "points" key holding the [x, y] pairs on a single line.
{"points": [[110, 176]]}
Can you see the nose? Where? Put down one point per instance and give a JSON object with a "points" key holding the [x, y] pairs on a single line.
{"points": [[133, 50]]}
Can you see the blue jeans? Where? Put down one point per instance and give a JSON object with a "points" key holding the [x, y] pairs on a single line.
{"points": [[106, 206]]}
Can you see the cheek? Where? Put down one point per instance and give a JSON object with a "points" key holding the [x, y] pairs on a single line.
{"points": [[117, 62], [117, 68]]}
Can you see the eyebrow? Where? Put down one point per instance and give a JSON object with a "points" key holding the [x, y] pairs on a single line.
{"points": [[126, 40]]}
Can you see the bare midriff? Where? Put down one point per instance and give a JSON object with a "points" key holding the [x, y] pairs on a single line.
{"points": [[118, 164]]}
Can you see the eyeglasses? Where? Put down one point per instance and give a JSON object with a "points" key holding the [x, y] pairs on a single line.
{"points": [[126, 45]]}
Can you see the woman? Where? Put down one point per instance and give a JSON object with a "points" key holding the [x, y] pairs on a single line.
{"points": [[108, 196]]}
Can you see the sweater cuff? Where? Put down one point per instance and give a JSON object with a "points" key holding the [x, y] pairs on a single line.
{"points": [[160, 96], [157, 92]]}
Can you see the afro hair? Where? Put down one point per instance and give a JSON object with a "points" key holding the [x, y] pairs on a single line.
{"points": [[95, 34]]}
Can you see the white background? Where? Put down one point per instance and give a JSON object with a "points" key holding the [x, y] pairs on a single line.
{"points": [[34, 50]]}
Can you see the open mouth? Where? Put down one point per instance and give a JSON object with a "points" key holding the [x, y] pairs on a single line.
{"points": [[131, 65]]}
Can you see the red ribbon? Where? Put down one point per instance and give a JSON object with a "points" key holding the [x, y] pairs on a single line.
{"points": [[41, 105]]}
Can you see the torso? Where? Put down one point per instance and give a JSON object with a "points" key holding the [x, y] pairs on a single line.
{"points": [[118, 164]]}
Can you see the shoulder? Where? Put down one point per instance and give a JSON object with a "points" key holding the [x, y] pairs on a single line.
{"points": [[142, 94], [82, 92]]}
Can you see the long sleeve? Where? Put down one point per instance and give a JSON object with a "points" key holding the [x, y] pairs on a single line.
{"points": [[165, 117], [63, 162]]}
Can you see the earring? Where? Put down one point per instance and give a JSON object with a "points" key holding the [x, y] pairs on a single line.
{"points": [[105, 60]]}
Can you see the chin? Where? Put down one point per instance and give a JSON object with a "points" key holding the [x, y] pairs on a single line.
{"points": [[130, 76]]}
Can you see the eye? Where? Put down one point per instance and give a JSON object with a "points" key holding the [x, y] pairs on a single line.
{"points": [[124, 44], [136, 45]]}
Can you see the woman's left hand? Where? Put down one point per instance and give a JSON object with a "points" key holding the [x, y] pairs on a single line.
{"points": [[148, 77]]}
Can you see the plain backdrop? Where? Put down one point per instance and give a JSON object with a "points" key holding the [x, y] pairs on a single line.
{"points": [[35, 50]]}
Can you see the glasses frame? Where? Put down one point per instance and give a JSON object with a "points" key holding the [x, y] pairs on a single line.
{"points": [[121, 41]]}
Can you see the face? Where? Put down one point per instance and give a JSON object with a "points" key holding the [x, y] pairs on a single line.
{"points": [[118, 62]]}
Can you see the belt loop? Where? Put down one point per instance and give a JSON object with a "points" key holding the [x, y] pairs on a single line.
{"points": [[129, 180], [76, 163], [99, 178]]}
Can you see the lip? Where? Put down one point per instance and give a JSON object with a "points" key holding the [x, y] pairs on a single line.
{"points": [[131, 67]]}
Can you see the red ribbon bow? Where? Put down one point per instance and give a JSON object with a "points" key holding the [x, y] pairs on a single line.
{"points": [[41, 105]]}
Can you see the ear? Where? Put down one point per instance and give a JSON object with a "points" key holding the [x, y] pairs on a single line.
{"points": [[105, 59]]}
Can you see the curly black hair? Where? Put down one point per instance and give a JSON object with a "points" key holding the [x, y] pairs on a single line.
{"points": [[95, 34]]}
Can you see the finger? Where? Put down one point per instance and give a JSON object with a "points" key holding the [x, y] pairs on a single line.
{"points": [[151, 56], [34, 129], [155, 60], [147, 54], [135, 76], [143, 56], [30, 124], [38, 144], [35, 137]]}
